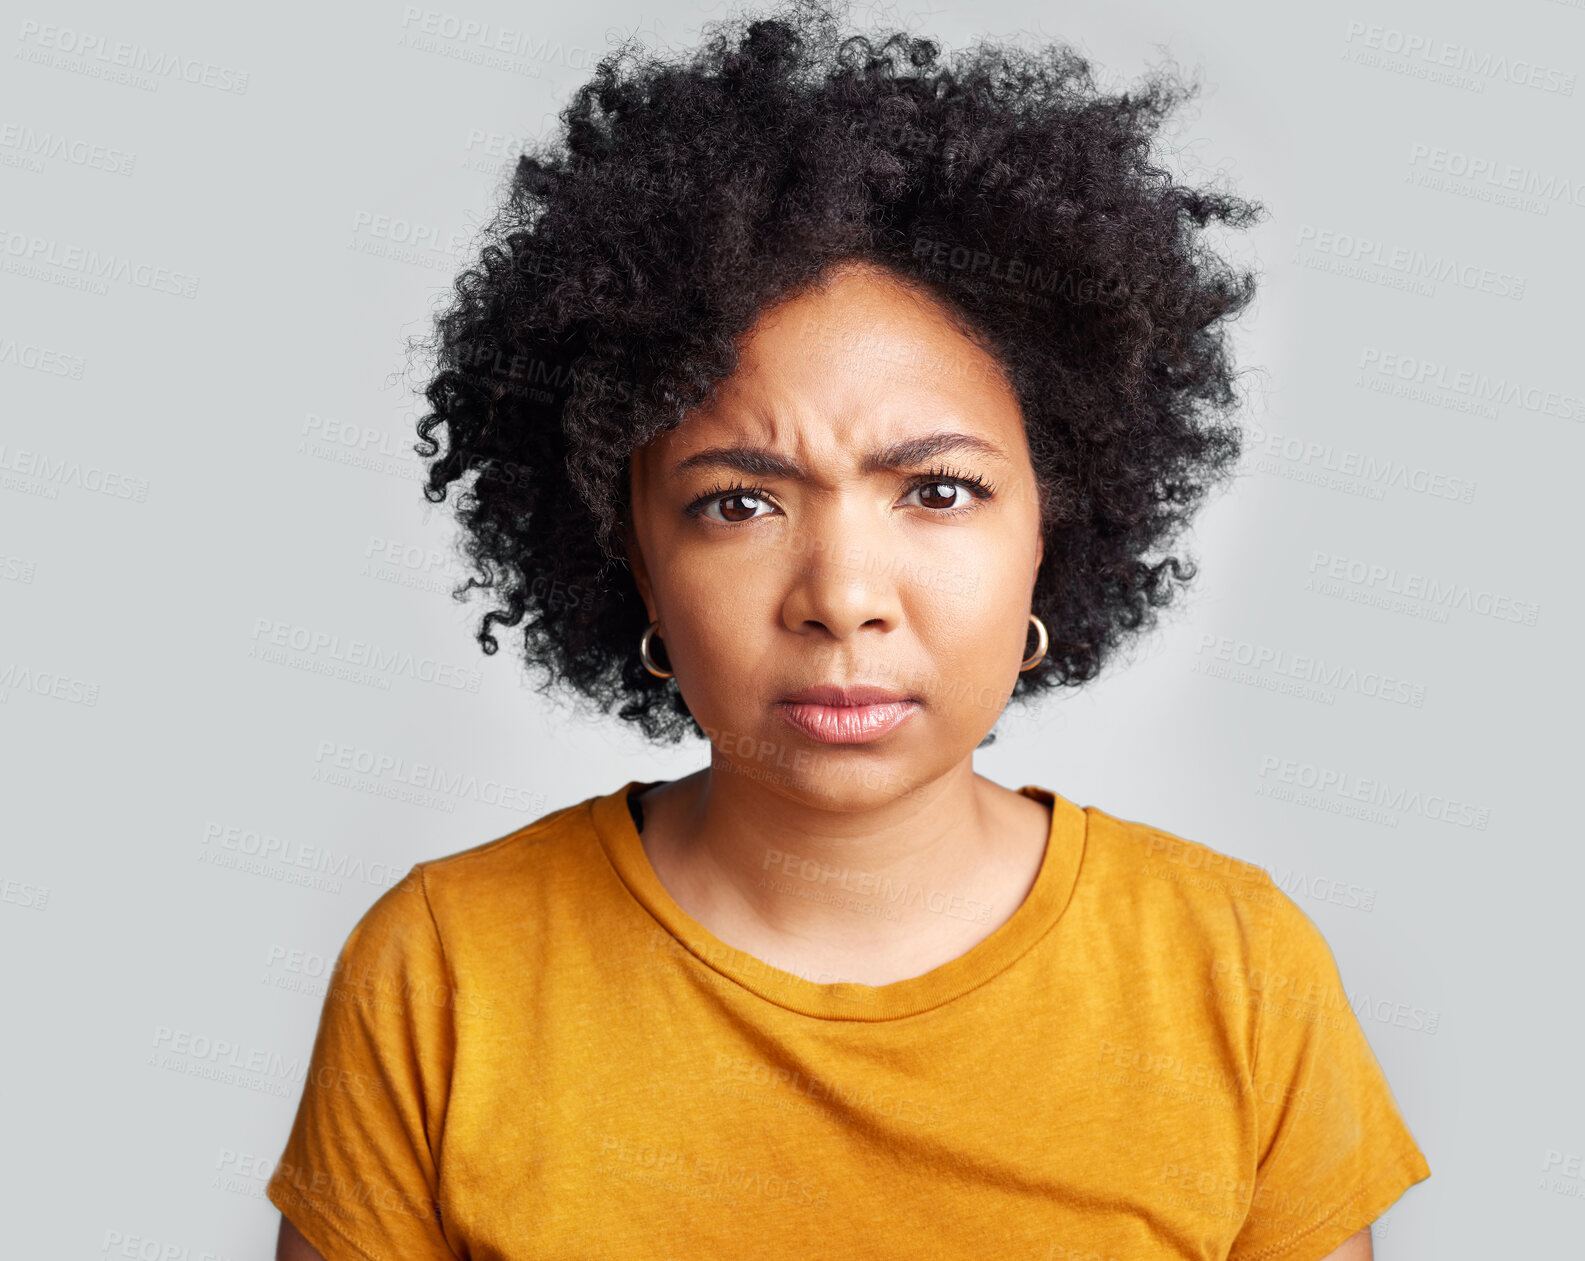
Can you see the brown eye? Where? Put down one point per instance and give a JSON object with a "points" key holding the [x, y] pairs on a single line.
{"points": [[747, 507], [939, 494]]}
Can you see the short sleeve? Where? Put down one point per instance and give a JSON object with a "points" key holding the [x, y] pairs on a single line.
{"points": [[1333, 1151], [360, 1173]]}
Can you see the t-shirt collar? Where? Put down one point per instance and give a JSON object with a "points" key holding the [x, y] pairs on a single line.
{"points": [[847, 1000]]}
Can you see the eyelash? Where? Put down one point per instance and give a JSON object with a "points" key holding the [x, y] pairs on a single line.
{"points": [[975, 485]]}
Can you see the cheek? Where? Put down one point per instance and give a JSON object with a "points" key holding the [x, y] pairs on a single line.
{"points": [[971, 623], [992, 559], [742, 582], [971, 594], [720, 607], [967, 647]]}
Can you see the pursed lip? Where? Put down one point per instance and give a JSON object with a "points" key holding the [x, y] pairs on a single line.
{"points": [[849, 695]]}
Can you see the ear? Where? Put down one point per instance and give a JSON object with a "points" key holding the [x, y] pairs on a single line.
{"points": [[1040, 526], [635, 561]]}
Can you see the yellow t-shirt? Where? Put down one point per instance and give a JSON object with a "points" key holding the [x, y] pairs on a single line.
{"points": [[529, 1050]]}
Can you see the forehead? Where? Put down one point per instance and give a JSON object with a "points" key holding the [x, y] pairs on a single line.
{"points": [[856, 363]]}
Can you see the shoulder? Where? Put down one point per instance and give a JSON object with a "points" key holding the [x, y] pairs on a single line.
{"points": [[1174, 896], [534, 842], [511, 883], [1203, 932], [1227, 913], [1162, 868], [446, 926]]}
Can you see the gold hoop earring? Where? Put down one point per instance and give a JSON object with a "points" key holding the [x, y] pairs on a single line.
{"points": [[643, 653], [1045, 642]]}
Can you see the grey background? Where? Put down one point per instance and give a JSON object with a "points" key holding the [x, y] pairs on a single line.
{"points": [[182, 475]]}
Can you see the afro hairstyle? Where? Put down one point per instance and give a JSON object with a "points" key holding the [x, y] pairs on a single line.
{"points": [[682, 196]]}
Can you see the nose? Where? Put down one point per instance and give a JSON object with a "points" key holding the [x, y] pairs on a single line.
{"points": [[842, 578]]}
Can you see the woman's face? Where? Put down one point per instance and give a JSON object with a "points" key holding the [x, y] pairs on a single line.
{"points": [[778, 555]]}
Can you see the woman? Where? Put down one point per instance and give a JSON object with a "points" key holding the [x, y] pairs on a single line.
{"points": [[887, 384]]}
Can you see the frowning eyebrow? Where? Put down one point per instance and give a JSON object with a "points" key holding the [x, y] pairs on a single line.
{"points": [[763, 462]]}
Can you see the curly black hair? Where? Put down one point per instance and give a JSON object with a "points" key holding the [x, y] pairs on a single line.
{"points": [[683, 197]]}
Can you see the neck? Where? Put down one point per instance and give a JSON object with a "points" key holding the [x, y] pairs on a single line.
{"points": [[882, 883]]}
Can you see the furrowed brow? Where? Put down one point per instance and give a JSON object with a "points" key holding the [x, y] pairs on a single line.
{"points": [[905, 453], [910, 451]]}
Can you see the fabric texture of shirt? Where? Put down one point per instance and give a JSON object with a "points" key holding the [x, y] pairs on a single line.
{"points": [[529, 1050]]}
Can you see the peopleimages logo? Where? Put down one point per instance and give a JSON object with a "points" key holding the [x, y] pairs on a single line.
{"points": [[1329, 571], [291, 861], [1432, 52], [334, 762], [25, 254], [55, 363], [33, 148], [1347, 469], [121, 61], [1317, 784], [1328, 676], [55, 473], [363, 659], [1563, 1173], [1420, 377], [481, 44], [1499, 176], [1412, 265]]}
